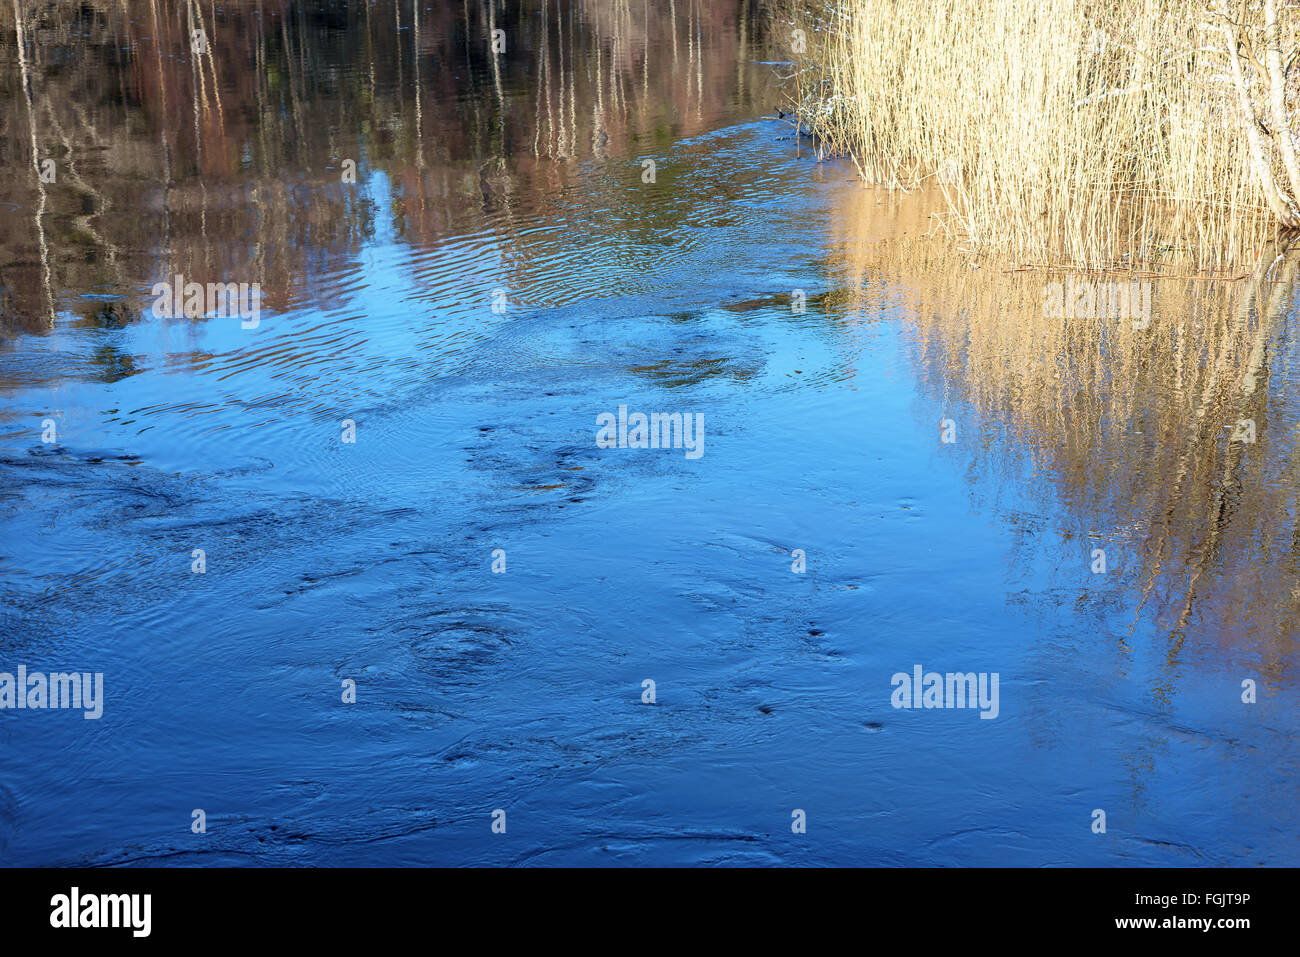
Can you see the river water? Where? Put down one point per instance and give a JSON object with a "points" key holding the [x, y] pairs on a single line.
{"points": [[391, 481]]}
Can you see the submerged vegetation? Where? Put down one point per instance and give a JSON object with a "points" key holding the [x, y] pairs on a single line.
{"points": [[1124, 135]]}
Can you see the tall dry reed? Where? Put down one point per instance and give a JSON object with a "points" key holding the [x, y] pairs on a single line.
{"points": [[1107, 135]]}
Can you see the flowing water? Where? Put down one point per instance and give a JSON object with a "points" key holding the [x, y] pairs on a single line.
{"points": [[391, 474]]}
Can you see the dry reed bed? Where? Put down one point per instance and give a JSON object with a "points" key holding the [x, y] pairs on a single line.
{"points": [[1099, 135]]}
